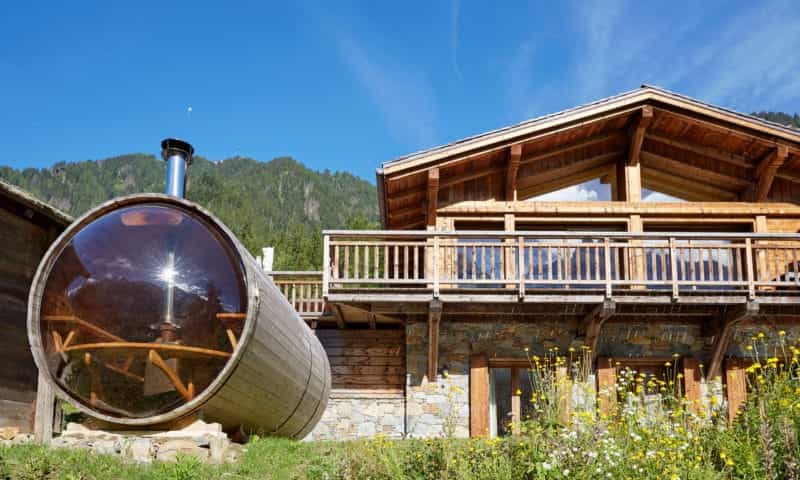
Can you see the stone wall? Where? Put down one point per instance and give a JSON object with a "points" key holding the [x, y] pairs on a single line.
{"points": [[436, 409], [352, 415]]}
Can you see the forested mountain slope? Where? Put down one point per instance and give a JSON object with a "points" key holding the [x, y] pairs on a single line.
{"points": [[279, 203]]}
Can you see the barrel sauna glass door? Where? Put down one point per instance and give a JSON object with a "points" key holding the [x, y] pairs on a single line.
{"points": [[141, 310]]}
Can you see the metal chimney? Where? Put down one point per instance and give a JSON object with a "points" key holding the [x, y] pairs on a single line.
{"points": [[178, 155]]}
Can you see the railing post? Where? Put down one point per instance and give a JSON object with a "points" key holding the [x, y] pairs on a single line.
{"points": [[673, 265], [521, 265], [326, 264], [607, 255], [751, 286], [435, 267]]}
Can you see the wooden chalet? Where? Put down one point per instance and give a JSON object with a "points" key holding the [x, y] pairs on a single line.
{"points": [[471, 268], [27, 227]]}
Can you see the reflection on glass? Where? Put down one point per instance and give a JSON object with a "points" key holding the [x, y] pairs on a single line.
{"points": [[141, 310]]}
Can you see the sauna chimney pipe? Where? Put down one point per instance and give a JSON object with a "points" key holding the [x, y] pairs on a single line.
{"points": [[178, 155]]}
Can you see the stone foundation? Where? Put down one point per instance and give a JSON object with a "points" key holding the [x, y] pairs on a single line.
{"points": [[353, 414], [201, 440]]}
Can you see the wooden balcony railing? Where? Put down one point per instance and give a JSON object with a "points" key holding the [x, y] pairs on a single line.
{"points": [[676, 262], [303, 290]]}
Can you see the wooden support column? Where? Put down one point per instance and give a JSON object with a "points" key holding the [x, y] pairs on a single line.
{"points": [[736, 385], [629, 171], [724, 333], [514, 156], [433, 197], [44, 413], [564, 392], [516, 403], [691, 383], [479, 396], [593, 322], [606, 386], [509, 265], [767, 169], [434, 315], [636, 254]]}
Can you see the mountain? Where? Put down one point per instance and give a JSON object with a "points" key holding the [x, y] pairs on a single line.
{"points": [[279, 203]]}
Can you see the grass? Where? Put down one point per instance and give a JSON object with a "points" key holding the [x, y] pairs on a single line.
{"points": [[638, 441]]}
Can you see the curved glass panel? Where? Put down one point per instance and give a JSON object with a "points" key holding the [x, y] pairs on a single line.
{"points": [[141, 310]]}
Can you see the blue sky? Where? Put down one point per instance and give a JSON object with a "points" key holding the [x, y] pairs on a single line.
{"points": [[347, 85]]}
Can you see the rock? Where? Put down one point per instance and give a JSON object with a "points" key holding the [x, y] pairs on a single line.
{"points": [[169, 450], [8, 433], [139, 450], [104, 447], [366, 430]]}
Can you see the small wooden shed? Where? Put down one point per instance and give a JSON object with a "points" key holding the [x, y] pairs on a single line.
{"points": [[27, 228]]}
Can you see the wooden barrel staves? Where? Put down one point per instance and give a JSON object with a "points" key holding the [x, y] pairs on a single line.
{"points": [[148, 311]]}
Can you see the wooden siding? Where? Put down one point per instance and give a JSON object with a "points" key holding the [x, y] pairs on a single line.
{"points": [[366, 360], [25, 236]]}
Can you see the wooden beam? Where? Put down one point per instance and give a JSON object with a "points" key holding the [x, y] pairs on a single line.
{"points": [[433, 197], [629, 181], [736, 383], [479, 396], [44, 411], [337, 312], [710, 152], [767, 169], [372, 321], [587, 142], [636, 134], [516, 404], [514, 154], [606, 386], [691, 190], [578, 169], [724, 333], [691, 172], [434, 316], [409, 210], [691, 383], [593, 321]]}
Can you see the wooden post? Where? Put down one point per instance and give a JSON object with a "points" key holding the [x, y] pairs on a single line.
{"points": [[516, 405], [45, 411], [691, 383], [433, 196], [736, 385], [434, 315], [673, 266], [564, 392], [636, 260], [514, 155], [606, 386], [724, 333], [326, 265], [479, 396], [592, 323]]}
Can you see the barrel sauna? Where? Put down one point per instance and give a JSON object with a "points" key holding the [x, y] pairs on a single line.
{"points": [[147, 311]]}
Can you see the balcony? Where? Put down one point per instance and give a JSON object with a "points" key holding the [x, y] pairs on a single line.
{"points": [[559, 267]]}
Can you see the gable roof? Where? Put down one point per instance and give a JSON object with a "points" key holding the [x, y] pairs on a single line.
{"points": [[715, 133]]}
